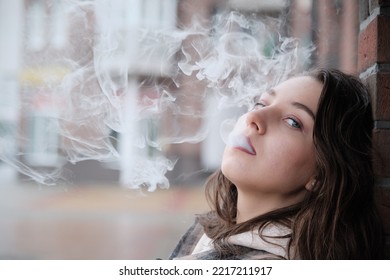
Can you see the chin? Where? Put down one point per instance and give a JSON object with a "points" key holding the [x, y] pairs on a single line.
{"points": [[231, 173], [225, 170]]}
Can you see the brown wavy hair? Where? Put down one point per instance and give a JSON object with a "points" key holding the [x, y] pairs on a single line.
{"points": [[338, 218]]}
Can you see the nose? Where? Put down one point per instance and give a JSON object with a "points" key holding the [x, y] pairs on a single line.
{"points": [[256, 120]]}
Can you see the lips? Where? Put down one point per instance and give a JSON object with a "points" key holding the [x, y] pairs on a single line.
{"points": [[241, 142]]}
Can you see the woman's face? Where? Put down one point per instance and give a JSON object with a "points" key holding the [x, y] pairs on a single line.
{"points": [[271, 148]]}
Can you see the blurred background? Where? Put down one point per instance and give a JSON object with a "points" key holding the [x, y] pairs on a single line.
{"points": [[92, 213]]}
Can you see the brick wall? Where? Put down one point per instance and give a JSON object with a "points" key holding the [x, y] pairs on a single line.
{"points": [[374, 68]]}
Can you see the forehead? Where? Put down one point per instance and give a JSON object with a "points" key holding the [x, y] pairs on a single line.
{"points": [[299, 87]]}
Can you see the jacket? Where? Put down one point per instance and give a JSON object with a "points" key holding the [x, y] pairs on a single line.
{"points": [[196, 245]]}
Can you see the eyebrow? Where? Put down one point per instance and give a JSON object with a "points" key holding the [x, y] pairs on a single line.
{"points": [[304, 108], [295, 104]]}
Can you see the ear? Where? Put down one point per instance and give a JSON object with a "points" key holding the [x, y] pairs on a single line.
{"points": [[311, 183]]}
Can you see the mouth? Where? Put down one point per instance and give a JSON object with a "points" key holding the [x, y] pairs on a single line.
{"points": [[241, 142]]}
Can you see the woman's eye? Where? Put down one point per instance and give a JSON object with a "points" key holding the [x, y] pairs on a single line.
{"points": [[293, 123]]}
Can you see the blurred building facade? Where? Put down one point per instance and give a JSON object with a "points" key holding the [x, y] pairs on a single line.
{"points": [[41, 33]]}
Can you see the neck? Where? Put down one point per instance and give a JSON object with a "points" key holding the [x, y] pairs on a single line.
{"points": [[253, 204]]}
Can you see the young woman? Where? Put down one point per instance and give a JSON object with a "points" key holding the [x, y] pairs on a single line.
{"points": [[296, 180]]}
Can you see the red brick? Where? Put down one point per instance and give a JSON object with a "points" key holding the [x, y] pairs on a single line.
{"points": [[379, 87], [368, 42], [381, 140], [374, 42]]}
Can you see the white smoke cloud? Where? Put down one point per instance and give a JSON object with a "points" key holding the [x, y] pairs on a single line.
{"points": [[112, 64]]}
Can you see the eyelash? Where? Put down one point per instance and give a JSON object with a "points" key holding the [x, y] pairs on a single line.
{"points": [[296, 124]]}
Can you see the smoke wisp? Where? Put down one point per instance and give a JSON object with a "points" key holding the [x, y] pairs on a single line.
{"points": [[121, 91]]}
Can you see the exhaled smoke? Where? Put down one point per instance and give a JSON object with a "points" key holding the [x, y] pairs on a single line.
{"points": [[127, 89]]}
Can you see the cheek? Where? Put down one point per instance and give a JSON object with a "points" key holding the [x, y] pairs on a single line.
{"points": [[302, 163], [278, 163], [293, 157]]}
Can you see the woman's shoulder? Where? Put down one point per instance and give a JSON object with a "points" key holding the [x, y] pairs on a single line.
{"points": [[188, 241]]}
